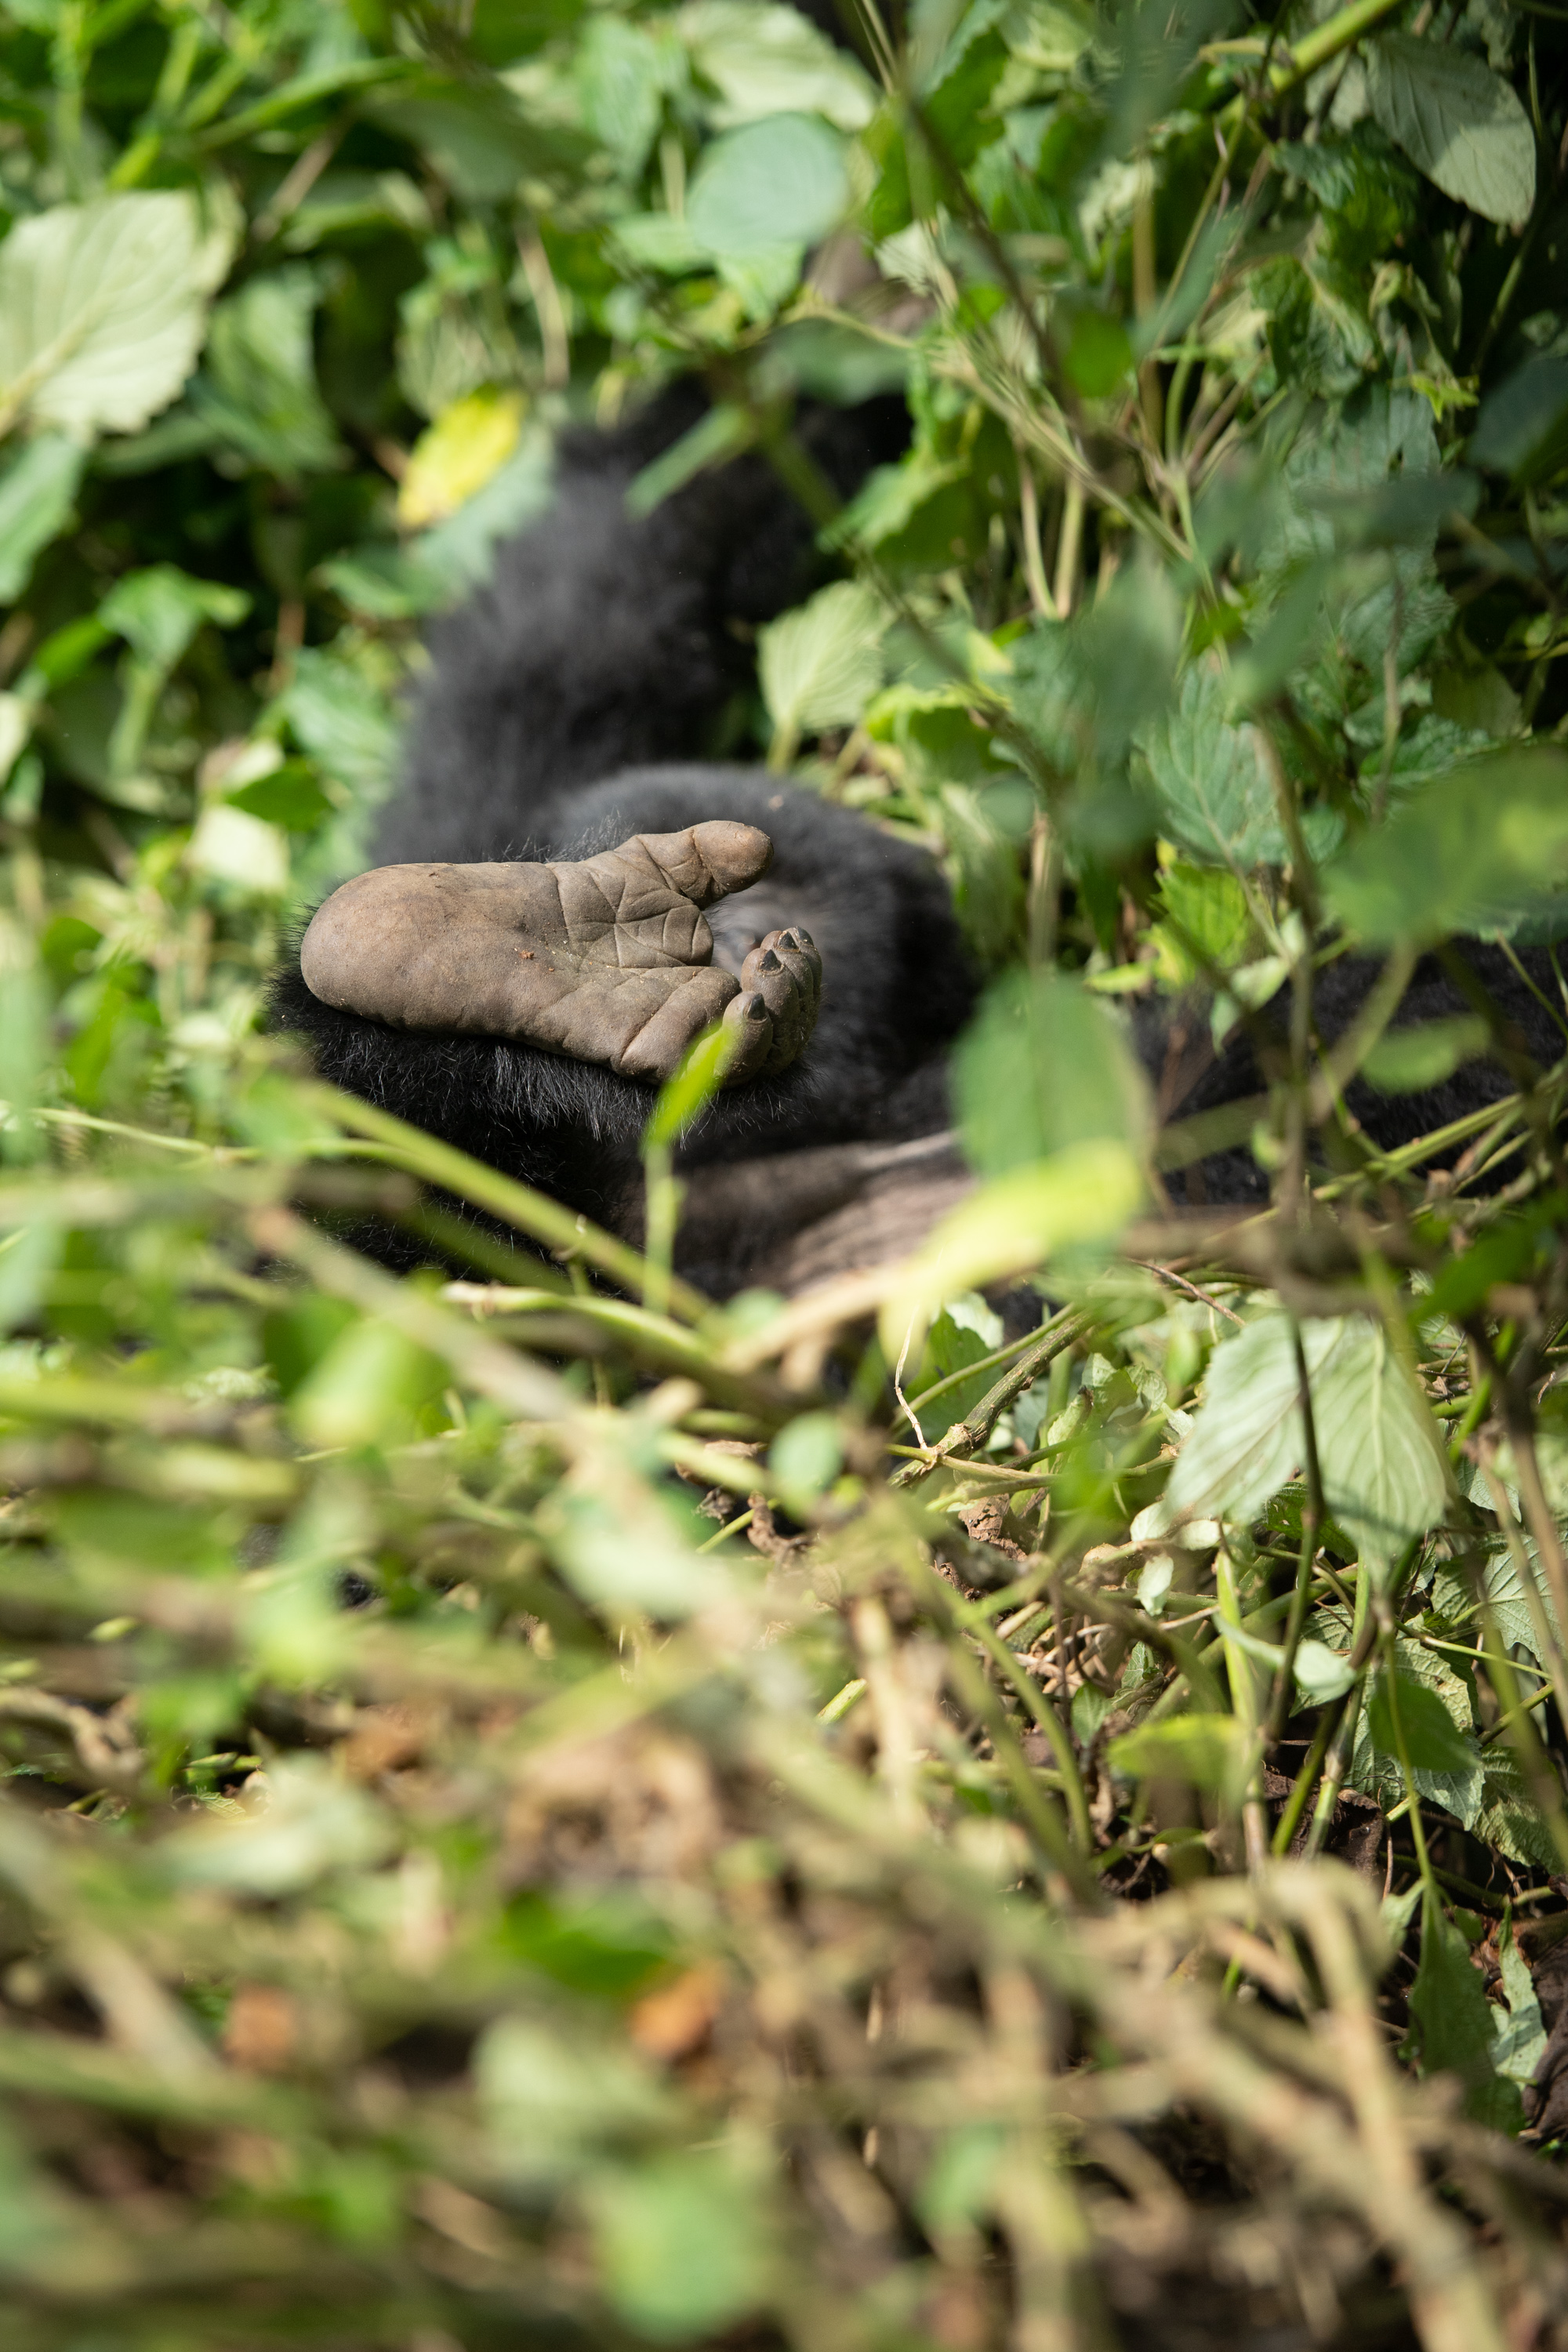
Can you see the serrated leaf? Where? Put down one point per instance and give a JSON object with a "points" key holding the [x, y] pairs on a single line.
{"points": [[1383, 1478], [1458, 122], [1520, 2031], [102, 310], [780, 182], [772, 60], [1044, 1064], [820, 665], [1453, 2023], [1212, 779], [457, 455], [36, 492], [1483, 848]]}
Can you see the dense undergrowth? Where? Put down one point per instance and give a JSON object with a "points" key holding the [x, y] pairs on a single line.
{"points": [[540, 1811]]}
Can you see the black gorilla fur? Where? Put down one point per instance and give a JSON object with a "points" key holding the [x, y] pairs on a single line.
{"points": [[605, 644]]}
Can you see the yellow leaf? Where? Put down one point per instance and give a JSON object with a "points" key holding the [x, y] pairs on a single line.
{"points": [[457, 455]]}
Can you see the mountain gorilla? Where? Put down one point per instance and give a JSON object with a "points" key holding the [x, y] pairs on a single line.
{"points": [[564, 895]]}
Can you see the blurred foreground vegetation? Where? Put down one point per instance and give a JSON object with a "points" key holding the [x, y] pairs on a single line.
{"points": [[539, 1811]]}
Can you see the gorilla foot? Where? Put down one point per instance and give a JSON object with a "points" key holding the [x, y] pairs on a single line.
{"points": [[604, 959]]}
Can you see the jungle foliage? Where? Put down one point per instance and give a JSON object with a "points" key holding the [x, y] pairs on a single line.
{"points": [[538, 1809]]}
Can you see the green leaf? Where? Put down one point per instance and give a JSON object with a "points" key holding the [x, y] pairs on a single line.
{"points": [[807, 1455], [1522, 428], [159, 610], [1377, 1451], [1213, 780], [1206, 1749], [102, 310], [1454, 2022], [1460, 122], [683, 2244], [779, 181], [1434, 1742], [771, 60], [1482, 849], [1520, 2031], [288, 795], [259, 393], [1077, 1199], [1404, 1061], [38, 490], [368, 1389], [1044, 1065], [618, 81], [820, 665], [691, 1085]]}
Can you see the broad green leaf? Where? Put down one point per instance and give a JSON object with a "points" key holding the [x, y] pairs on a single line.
{"points": [[38, 490], [1081, 1196], [1206, 1750], [1434, 1742], [1382, 1476], [159, 610], [618, 78], [683, 2243], [549, 2094], [1454, 2022], [1403, 1061], [1458, 121], [780, 182], [820, 665], [457, 455], [102, 310], [771, 60], [310, 1822], [1519, 2030], [368, 1388], [258, 390], [1482, 849], [1213, 780], [807, 1455], [1522, 428], [1044, 1065]]}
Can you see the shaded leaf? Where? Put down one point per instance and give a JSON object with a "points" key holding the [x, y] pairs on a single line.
{"points": [[38, 490], [1458, 121]]}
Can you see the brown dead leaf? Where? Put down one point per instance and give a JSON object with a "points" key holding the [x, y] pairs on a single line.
{"points": [[675, 2018], [262, 2029]]}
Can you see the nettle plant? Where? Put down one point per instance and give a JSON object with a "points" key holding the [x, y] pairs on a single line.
{"points": [[605, 1923]]}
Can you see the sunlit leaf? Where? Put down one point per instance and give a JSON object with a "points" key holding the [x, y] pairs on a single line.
{"points": [[102, 309], [779, 181], [1044, 1065]]}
